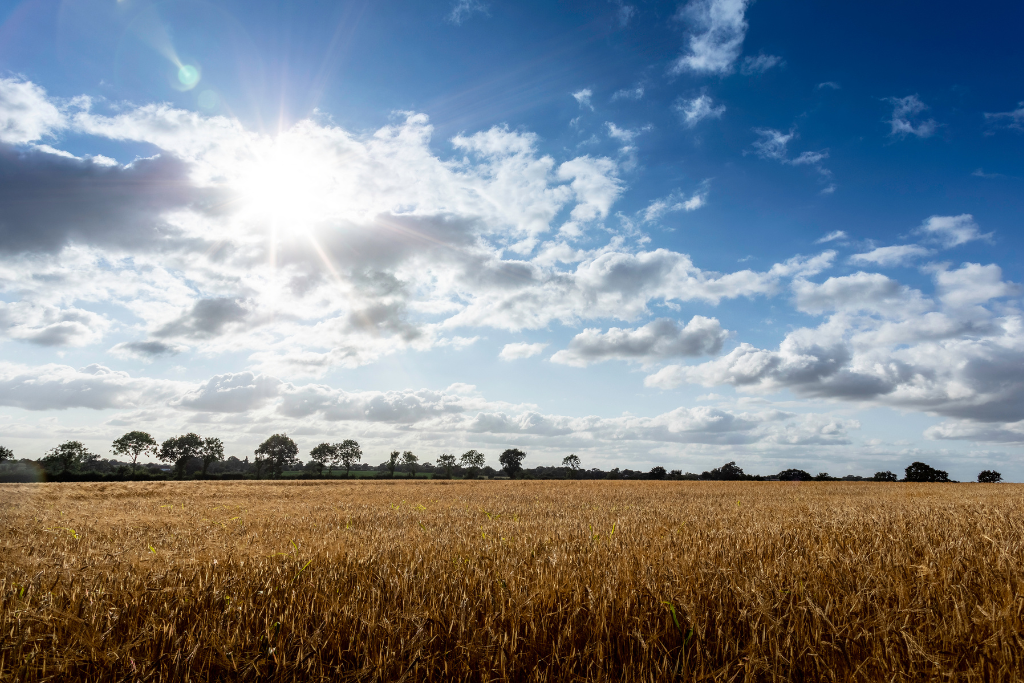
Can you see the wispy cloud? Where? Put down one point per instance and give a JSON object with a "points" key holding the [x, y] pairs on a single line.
{"points": [[760, 64], [719, 28], [832, 237], [904, 111], [629, 93], [1013, 120], [583, 98], [676, 201], [464, 9], [774, 145], [896, 255], [695, 110], [952, 231], [829, 85]]}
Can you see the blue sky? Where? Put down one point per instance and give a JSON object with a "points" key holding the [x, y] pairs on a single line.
{"points": [[648, 233]]}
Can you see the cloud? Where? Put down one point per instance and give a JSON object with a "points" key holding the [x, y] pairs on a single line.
{"points": [[952, 231], [657, 340], [518, 350], [903, 110], [59, 387], [897, 255], [48, 325], [760, 64], [636, 93], [676, 202], [696, 110], [832, 237], [463, 9], [26, 114], [773, 145], [1014, 120], [718, 30], [206, 318], [146, 350], [830, 85], [625, 13], [231, 393], [583, 96], [886, 344], [626, 135]]}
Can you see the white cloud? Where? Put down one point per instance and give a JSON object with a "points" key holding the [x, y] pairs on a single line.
{"points": [[26, 114], [773, 143], [48, 325], [719, 28], [657, 340], [1007, 119], [636, 93], [832, 237], [518, 350], [583, 98], [59, 387], [830, 85], [904, 109], [696, 110], [760, 64], [896, 255], [952, 231], [463, 9], [676, 202], [626, 135]]}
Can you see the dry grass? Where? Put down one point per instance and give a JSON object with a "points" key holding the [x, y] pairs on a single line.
{"points": [[517, 581]]}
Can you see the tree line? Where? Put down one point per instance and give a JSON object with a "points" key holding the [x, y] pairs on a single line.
{"points": [[196, 456]]}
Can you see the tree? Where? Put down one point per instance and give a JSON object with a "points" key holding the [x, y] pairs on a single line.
{"points": [[989, 477], [178, 450], [571, 461], [657, 472], [447, 461], [211, 451], [6, 454], [920, 472], [885, 476], [279, 451], [472, 460], [258, 463], [794, 475], [392, 463], [410, 460], [133, 445], [67, 457], [323, 454], [347, 453], [511, 461], [727, 472]]}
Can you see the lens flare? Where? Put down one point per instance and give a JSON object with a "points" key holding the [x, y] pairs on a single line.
{"points": [[188, 76]]}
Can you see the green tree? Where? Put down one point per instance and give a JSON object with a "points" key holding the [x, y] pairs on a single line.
{"points": [[572, 462], [794, 475], [392, 463], [657, 472], [67, 457], [212, 450], [447, 461], [472, 460], [989, 477], [348, 453], [512, 461], [885, 476], [279, 452], [258, 463], [410, 460], [178, 450], [6, 454], [133, 445], [324, 454], [920, 472]]}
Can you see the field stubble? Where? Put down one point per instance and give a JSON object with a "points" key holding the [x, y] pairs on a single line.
{"points": [[381, 580]]}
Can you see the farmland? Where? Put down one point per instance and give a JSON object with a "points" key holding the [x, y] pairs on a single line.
{"points": [[512, 580]]}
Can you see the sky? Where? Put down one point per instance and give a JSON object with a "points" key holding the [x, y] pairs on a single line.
{"points": [[648, 233]]}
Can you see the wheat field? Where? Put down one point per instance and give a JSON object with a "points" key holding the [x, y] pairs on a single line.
{"points": [[519, 580]]}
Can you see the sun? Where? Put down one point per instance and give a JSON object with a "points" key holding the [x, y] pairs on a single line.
{"points": [[288, 186]]}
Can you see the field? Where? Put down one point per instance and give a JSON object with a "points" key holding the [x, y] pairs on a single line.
{"points": [[481, 581]]}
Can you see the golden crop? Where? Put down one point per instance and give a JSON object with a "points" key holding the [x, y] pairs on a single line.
{"points": [[437, 580]]}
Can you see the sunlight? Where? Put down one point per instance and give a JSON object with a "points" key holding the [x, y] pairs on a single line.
{"points": [[288, 186]]}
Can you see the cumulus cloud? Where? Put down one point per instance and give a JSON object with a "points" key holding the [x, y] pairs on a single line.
{"points": [[59, 387], [146, 350], [697, 109], [896, 255], [518, 350], [956, 355], [47, 325], [760, 64], [905, 111], [657, 340], [231, 393], [26, 113], [718, 29], [952, 231]]}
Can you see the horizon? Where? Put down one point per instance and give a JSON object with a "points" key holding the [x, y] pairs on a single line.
{"points": [[650, 234]]}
